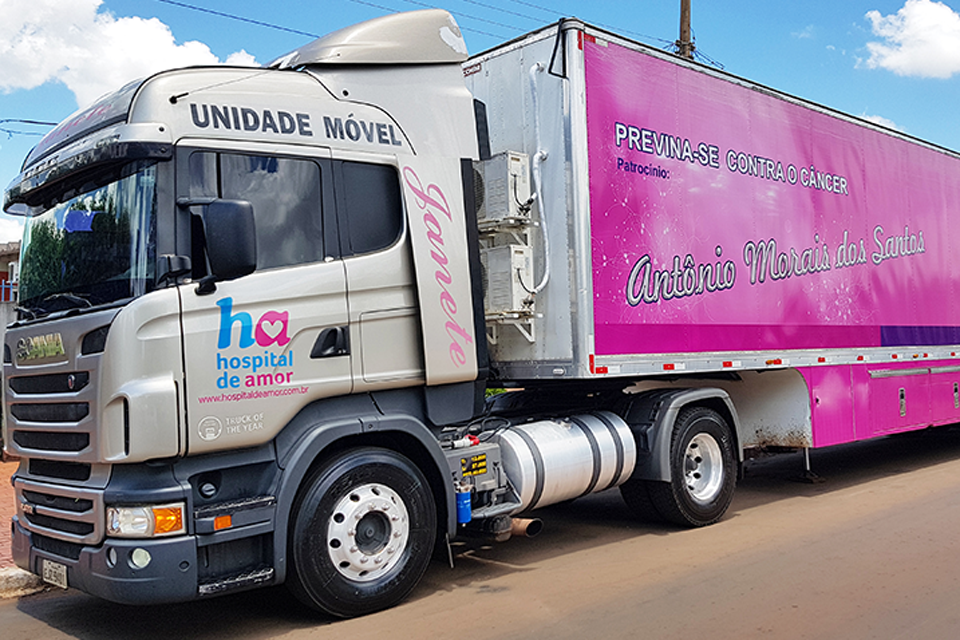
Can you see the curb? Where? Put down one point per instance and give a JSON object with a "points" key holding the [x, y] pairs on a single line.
{"points": [[15, 582]]}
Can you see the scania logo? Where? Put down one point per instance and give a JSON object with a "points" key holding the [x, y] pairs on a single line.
{"points": [[38, 347]]}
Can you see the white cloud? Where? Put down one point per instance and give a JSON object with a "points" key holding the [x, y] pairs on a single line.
{"points": [[921, 39], [885, 122], [806, 33], [10, 228], [90, 51]]}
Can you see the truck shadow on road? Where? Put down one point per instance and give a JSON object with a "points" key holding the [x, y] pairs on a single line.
{"points": [[598, 520], [603, 518]]}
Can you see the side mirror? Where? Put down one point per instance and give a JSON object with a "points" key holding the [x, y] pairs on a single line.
{"points": [[231, 238], [171, 267]]}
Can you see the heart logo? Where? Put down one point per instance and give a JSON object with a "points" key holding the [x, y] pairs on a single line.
{"points": [[272, 329]]}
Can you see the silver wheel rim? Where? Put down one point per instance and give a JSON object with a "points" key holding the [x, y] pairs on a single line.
{"points": [[703, 468], [368, 531]]}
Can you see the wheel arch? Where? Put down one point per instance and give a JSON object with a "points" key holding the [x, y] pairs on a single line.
{"points": [[652, 414], [316, 439]]}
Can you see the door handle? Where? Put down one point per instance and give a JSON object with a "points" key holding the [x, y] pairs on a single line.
{"points": [[332, 342]]}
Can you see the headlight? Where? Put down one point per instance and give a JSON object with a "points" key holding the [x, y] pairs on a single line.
{"points": [[146, 521]]}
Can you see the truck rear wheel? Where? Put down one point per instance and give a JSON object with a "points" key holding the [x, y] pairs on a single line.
{"points": [[702, 473], [362, 533]]}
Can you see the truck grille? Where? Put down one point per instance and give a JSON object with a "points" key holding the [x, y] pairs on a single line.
{"points": [[52, 383], [51, 416], [64, 513], [76, 471], [53, 409], [59, 524], [58, 502], [51, 440], [57, 547], [54, 412]]}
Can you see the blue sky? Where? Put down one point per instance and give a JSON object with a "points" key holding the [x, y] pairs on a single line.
{"points": [[892, 59]]}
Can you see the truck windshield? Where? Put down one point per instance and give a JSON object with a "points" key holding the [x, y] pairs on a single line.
{"points": [[94, 245]]}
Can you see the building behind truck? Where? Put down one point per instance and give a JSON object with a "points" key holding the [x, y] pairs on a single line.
{"points": [[259, 309]]}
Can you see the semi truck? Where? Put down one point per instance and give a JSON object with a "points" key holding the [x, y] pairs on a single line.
{"points": [[260, 309]]}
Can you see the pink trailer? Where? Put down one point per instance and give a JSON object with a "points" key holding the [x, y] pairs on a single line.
{"points": [[742, 222], [706, 234]]}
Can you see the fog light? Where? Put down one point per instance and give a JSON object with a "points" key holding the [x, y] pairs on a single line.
{"points": [[111, 557], [146, 521], [140, 558]]}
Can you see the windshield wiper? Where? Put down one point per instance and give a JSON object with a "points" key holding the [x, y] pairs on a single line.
{"points": [[30, 313], [73, 298]]}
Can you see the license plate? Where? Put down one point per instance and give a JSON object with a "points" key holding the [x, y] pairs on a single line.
{"points": [[54, 573]]}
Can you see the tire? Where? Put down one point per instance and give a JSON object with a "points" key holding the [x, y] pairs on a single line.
{"points": [[636, 493], [362, 533], [703, 471]]}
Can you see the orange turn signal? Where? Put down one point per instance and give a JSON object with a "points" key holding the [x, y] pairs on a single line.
{"points": [[167, 520]]}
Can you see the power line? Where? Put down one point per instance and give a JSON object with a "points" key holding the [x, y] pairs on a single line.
{"points": [[669, 44], [599, 24], [222, 14], [701, 56], [465, 15], [393, 10], [14, 132], [502, 10], [534, 6], [459, 14], [555, 13]]}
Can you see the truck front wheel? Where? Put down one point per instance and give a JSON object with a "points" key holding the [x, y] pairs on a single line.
{"points": [[702, 473], [362, 533]]}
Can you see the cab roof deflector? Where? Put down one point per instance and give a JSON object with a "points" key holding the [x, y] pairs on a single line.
{"points": [[431, 36]]}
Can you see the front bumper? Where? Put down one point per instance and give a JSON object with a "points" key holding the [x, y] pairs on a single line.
{"points": [[171, 575]]}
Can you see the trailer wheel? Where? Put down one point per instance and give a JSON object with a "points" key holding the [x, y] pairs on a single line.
{"points": [[702, 470], [362, 533]]}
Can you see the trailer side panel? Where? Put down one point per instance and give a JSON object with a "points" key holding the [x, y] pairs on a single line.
{"points": [[728, 219]]}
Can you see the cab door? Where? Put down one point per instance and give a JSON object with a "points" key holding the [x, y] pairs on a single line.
{"points": [[381, 287], [259, 348]]}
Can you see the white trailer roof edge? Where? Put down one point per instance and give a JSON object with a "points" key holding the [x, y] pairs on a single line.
{"points": [[573, 24]]}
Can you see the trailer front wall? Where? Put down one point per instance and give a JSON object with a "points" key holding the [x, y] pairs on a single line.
{"points": [[727, 219]]}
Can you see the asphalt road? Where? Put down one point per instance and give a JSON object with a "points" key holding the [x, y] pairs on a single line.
{"points": [[872, 552]]}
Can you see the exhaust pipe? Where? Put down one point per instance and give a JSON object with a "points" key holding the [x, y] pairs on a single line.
{"points": [[501, 528], [526, 527]]}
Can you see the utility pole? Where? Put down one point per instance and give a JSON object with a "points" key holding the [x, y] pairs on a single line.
{"points": [[685, 46]]}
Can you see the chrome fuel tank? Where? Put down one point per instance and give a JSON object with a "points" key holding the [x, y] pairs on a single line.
{"points": [[549, 461]]}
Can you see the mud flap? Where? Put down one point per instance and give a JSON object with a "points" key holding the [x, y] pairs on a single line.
{"points": [[651, 416]]}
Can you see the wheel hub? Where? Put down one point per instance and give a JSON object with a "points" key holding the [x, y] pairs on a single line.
{"points": [[703, 468], [368, 531]]}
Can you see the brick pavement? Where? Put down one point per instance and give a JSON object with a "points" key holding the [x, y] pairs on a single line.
{"points": [[7, 510], [14, 582]]}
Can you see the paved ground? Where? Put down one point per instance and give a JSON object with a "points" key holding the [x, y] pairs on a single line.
{"points": [[870, 553]]}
